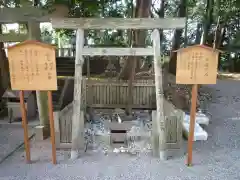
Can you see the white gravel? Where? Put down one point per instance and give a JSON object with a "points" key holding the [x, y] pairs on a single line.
{"points": [[216, 158]]}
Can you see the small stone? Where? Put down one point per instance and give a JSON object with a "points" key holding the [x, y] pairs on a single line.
{"points": [[122, 149], [105, 151], [116, 150], [119, 111]]}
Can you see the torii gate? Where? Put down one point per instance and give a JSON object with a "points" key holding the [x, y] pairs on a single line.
{"points": [[117, 23]]}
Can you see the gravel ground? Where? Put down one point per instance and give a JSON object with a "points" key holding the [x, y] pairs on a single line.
{"points": [[11, 137], [217, 158]]}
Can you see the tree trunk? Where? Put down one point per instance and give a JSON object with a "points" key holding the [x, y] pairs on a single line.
{"points": [[42, 99], [177, 38], [142, 10], [198, 34], [231, 63], [220, 30], [139, 36], [4, 69], [207, 22], [161, 15]]}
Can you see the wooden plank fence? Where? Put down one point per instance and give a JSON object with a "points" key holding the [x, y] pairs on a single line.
{"points": [[110, 93], [106, 93]]}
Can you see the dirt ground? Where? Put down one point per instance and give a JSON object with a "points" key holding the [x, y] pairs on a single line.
{"points": [[218, 158]]}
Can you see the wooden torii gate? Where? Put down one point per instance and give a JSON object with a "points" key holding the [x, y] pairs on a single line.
{"points": [[116, 23]]}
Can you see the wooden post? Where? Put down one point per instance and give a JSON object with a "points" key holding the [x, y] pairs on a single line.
{"points": [[41, 96], [134, 36], [192, 123], [25, 126], [130, 86], [155, 135], [52, 129], [77, 121], [88, 67], [42, 105], [160, 119]]}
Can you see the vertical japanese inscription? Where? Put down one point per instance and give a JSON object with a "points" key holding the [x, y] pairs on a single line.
{"points": [[48, 66], [36, 54], [26, 65], [206, 64], [21, 65], [195, 65], [31, 66], [190, 66], [199, 62]]}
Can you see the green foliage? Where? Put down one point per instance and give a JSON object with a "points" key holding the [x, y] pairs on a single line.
{"points": [[227, 10]]}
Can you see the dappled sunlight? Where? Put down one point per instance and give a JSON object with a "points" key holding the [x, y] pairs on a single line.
{"points": [[225, 75]]}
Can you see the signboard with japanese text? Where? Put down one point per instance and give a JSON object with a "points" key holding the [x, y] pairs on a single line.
{"points": [[32, 66], [197, 65]]}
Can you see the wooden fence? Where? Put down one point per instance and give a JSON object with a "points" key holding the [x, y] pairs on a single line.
{"points": [[65, 52], [110, 93], [103, 93], [106, 93]]}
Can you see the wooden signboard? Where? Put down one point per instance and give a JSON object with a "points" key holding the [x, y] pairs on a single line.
{"points": [[32, 66], [197, 65]]}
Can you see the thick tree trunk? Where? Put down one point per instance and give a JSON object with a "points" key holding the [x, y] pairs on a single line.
{"points": [[220, 30], [207, 22], [177, 38], [139, 36], [42, 99], [142, 10], [160, 14]]}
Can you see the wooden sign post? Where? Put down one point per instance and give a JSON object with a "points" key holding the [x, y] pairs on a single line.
{"points": [[196, 65], [32, 66]]}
